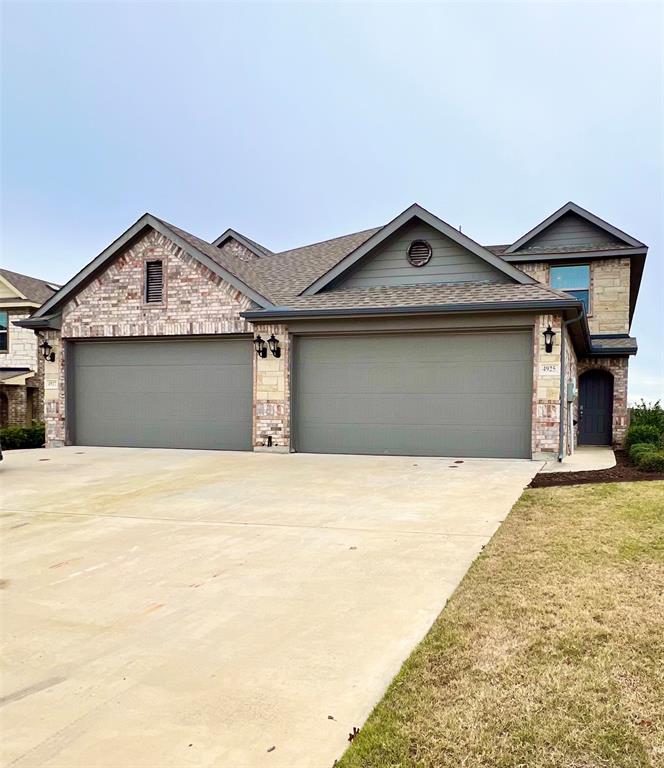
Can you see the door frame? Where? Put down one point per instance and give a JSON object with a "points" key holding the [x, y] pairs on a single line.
{"points": [[597, 372]]}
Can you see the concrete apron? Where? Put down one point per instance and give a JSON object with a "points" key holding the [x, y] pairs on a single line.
{"points": [[190, 608]]}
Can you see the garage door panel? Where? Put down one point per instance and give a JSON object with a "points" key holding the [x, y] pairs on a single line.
{"points": [[456, 394], [189, 393], [497, 410], [400, 440], [420, 378]]}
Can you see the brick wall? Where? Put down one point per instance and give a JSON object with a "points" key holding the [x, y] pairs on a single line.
{"points": [[196, 302], [272, 391], [618, 367], [546, 387], [14, 406], [22, 404], [609, 292], [538, 270]]}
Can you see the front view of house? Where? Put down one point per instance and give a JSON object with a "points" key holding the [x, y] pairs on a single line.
{"points": [[407, 339]]}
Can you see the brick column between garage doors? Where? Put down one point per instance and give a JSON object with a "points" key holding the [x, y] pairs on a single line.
{"points": [[546, 389], [272, 393]]}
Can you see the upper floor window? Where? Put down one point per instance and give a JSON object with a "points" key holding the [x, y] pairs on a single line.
{"points": [[575, 280], [154, 282], [4, 331]]}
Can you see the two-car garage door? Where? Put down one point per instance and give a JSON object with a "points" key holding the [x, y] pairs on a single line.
{"points": [[189, 393], [420, 394]]}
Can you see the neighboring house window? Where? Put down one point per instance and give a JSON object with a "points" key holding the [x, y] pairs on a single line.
{"points": [[574, 280], [4, 331], [154, 282]]}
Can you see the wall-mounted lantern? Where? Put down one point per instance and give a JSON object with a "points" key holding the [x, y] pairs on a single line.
{"points": [[548, 339], [47, 351], [261, 347], [273, 343]]}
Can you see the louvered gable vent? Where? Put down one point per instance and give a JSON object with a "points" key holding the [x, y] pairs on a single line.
{"points": [[154, 282], [419, 253]]}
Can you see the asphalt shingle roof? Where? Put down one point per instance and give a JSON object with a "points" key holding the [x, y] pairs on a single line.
{"points": [[426, 294], [34, 289], [601, 343]]}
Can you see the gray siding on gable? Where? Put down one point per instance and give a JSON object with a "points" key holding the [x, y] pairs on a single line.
{"points": [[570, 230], [450, 262]]}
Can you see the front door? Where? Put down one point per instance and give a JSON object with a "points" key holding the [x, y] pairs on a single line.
{"points": [[595, 408]]}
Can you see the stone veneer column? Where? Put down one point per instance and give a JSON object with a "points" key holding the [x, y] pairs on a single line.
{"points": [[546, 389], [54, 392], [272, 393]]}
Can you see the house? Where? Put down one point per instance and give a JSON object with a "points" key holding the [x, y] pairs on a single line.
{"points": [[410, 338], [21, 369]]}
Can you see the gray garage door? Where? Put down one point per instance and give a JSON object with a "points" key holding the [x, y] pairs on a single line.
{"points": [[162, 394], [460, 394]]}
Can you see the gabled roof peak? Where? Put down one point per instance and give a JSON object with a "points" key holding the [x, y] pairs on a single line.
{"points": [[572, 207], [415, 211]]}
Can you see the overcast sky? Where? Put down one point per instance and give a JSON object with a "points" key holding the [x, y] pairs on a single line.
{"points": [[296, 123]]}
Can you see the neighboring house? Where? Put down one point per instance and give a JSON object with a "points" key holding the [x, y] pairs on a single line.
{"points": [[21, 369], [406, 339]]}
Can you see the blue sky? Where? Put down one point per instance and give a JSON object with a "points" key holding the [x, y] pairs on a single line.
{"points": [[297, 122]]}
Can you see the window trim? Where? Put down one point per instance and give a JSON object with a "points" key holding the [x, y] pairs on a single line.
{"points": [[5, 351], [589, 310]]}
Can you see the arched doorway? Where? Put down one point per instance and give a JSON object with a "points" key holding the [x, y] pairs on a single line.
{"points": [[596, 408]]}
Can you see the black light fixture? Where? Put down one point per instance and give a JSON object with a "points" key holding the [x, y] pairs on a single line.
{"points": [[548, 339], [47, 351], [261, 347], [273, 343]]}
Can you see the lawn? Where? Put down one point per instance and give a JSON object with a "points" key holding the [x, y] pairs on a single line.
{"points": [[551, 651]]}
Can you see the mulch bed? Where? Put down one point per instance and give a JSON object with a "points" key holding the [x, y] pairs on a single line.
{"points": [[623, 472]]}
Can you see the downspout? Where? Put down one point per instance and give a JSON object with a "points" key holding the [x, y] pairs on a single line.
{"points": [[563, 388]]}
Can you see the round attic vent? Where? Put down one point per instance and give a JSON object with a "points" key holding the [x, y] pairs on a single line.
{"points": [[419, 253]]}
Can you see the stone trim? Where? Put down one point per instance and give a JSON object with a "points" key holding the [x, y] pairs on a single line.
{"points": [[272, 384]]}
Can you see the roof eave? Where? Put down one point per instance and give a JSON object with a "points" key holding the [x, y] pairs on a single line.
{"points": [[43, 323], [532, 256], [288, 313]]}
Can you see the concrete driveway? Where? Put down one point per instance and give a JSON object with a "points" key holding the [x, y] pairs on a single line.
{"points": [[190, 608]]}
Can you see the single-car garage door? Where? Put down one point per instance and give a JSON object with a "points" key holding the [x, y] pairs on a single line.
{"points": [[190, 393], [452, 394]]}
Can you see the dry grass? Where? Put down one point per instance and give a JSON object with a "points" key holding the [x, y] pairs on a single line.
{"points": [[549, 654]]}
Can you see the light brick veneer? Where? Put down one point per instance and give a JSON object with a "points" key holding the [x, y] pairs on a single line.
{"points": [[196, 302], [609, 303], [609, 292], [618, 367], [22, 404], [272, 392], [546, 387]]}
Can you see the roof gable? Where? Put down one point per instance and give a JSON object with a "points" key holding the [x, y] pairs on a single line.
{"points": [[387, 263], [233, 271], [572, 227], [414, 212], [251, 245]]}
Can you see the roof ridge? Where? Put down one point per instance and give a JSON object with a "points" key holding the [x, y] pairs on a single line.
{"points": [[329, 240]]}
